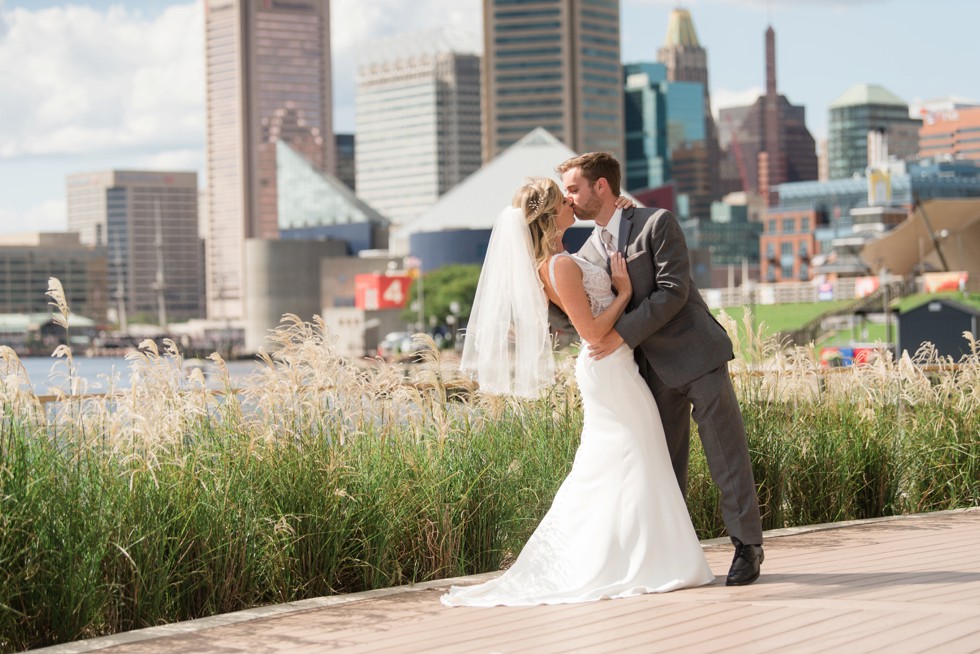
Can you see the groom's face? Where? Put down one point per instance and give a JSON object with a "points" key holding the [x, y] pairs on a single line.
{"points": [[585, 202]]}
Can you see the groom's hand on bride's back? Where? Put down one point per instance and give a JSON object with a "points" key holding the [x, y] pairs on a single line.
{"points": [[606, 345]]}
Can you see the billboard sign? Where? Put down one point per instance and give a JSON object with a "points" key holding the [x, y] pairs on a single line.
{"points": [[375, 291]]}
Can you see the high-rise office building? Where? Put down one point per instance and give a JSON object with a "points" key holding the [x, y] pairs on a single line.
{"points": [[664, 124], [345, 159], [868, 108], [553, 64], [29, 260], [766, 143], [645, 127], [695, 168], [147, 223], [417, 109], [268, 79]]}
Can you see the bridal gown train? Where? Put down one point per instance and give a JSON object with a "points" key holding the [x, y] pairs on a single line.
{"points": [[618, 525]]}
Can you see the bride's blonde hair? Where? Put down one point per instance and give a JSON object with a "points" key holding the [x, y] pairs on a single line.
{"points": [[540, 199]]}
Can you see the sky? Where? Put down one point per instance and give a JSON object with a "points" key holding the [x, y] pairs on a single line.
{"points": [[90, 85]]}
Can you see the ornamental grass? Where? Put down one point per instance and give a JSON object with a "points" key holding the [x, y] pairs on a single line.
{"points": [[173, 499]]}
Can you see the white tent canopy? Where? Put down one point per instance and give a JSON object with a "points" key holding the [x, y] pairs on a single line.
{"points": [[952, 225]]}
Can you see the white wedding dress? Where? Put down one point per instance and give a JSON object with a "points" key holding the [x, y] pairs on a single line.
{"points": [[618, 525]]}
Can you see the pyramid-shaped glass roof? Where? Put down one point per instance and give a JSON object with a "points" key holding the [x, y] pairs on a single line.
{"points": [[308, 197]]}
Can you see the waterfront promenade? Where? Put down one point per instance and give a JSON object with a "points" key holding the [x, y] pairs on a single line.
{"points": [[906, 584]]}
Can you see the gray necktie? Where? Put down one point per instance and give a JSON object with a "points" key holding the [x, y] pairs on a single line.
{"points": [[606, 236]]}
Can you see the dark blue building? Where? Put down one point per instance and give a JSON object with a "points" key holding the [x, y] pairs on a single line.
{"points": [[942, 322]]}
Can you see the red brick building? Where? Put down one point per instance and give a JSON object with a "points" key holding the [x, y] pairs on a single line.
{"points": [[787, 244]]}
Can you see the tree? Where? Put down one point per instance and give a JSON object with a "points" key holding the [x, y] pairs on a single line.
{"points": [[442, 288]]}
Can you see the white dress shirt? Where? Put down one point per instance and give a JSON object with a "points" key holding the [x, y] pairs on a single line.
{"points": [[613, 227]]}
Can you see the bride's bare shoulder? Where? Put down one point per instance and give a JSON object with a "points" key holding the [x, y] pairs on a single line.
{"points": [[564, 259], [566, 268]]}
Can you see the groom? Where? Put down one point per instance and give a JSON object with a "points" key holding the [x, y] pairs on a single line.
{"points": [[681, 350]]}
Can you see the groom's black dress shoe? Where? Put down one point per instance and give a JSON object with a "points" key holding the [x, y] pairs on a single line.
{"points": [[745, 565]]}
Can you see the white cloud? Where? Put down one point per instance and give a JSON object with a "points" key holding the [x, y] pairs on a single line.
{"points": [[116, 79], [724, 98], [49, 216], [356, 25], [77, 80], [186, 159]]}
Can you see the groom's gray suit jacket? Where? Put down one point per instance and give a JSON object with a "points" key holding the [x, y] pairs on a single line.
{"points": [[667, 322], [682, 352]]}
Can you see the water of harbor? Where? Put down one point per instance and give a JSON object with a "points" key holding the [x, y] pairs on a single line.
{"points": [[102, 373]]}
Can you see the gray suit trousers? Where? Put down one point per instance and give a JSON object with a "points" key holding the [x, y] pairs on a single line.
{"points": [[722, 432]]}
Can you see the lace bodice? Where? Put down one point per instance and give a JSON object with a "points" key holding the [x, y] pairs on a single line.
{"points": [[598, 285]]}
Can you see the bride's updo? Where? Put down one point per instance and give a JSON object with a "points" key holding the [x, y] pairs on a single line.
{"points": [[541, 199]]}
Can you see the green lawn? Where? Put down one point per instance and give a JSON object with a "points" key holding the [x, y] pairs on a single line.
{"points": [[782, 317], [912, 301], [865, 332], [785, 317]]}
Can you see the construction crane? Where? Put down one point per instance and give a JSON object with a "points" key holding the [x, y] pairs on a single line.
{"points": [[739, 158]]}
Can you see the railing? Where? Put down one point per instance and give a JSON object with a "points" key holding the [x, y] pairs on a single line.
{"points": [[782, 293]]}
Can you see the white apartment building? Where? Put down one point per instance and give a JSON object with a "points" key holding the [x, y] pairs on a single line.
{"points": [[417, 111]]}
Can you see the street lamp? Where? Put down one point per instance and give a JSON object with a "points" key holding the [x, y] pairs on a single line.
{"points": [[883, 285], [453, 320]]}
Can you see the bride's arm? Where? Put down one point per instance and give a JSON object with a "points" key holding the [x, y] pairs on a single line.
{"points": [[571, 292]]}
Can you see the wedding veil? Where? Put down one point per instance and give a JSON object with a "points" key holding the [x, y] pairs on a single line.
{"points": [[507, 344]]}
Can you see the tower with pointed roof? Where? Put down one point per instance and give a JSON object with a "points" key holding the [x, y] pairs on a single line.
{"points": [[772, 166], [695, 167], [682, 53], [765, 144], [868, 108]]}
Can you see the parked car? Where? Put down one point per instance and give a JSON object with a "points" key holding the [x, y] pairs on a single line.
{"points": [[393, 344]]}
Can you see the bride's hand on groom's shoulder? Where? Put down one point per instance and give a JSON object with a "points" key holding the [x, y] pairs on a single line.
{"points": [[623, 202]]}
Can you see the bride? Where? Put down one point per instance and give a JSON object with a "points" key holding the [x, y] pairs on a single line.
{"points": [[618, 525]]}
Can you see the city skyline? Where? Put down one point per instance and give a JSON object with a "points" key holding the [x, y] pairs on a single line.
{"points": [[120, 84]]}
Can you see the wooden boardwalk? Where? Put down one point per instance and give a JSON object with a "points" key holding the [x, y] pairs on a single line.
{"points": [[909, 584]]}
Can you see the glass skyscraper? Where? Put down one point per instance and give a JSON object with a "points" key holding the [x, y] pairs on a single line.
{"points": [[695, 165], [664, 124], [553, 64], [862, 109]]}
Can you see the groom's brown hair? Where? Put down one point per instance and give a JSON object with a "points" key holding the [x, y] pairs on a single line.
{"points": [[593, 166]]}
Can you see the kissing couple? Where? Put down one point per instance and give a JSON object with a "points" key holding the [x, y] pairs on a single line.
{"points": [[652, 358]]}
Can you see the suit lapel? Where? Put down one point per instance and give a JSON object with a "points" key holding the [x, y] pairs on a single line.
{"points": [[625, 230]]}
